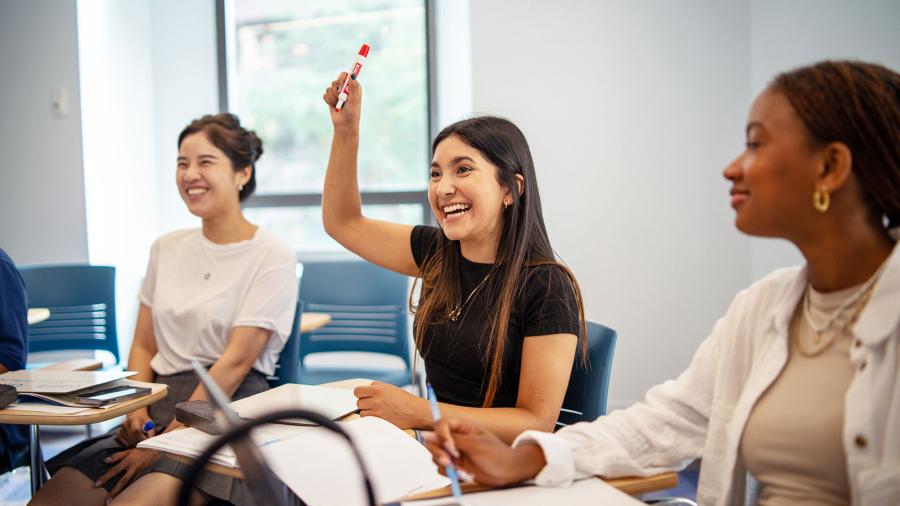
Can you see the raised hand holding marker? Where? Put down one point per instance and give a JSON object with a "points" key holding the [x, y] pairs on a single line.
{"points": [[354, 72]]}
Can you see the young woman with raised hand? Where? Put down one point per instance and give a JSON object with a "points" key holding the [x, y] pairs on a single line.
{"points": [[223, 294], [798, 383], [498, 319]]}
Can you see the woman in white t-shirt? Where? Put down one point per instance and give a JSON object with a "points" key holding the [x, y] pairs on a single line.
{"points": [[224, 295]]}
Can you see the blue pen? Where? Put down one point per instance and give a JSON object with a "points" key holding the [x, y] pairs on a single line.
{"points": [[450, 468], [148, 426]]}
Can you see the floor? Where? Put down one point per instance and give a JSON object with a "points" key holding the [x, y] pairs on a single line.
{"points": [[15, 486]]}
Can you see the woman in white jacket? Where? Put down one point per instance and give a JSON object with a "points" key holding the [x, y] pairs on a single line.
{"points": [[798, 383]]}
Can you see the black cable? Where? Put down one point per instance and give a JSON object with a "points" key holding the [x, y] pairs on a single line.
{"points": [[243, 430]]}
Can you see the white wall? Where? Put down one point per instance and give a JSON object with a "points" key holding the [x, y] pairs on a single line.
{"points": [[453, 61], [185, 86], [790, 34], [632, 109], [147, 69], [120, 181], [42, 214]]}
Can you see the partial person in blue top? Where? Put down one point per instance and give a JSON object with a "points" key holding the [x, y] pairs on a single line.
{"points": [[13, 352]]}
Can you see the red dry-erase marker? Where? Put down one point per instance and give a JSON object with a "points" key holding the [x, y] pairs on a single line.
{"points": [[357, 68]]}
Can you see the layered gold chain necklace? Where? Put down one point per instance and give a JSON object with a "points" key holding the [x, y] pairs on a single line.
{"points": [[826, 333], [457, 309]]}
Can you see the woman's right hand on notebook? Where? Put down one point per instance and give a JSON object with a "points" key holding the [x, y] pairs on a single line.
{"points": [[131, 432], [481, 453], [347, 119]]}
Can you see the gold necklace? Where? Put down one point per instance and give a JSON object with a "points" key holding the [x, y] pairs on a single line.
{"points": [[457, 310], [840, 320]]}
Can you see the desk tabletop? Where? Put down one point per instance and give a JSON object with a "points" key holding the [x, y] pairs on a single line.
{"points": [[92, 415], [37, 315], [313, 321], [629, 485]]}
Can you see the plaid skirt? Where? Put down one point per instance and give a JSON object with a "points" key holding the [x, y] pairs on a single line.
{"points": [[88, 456]]}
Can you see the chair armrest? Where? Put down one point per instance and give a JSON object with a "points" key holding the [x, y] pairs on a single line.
{"points": [[76, 364]]}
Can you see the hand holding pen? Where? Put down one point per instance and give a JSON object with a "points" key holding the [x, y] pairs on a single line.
{"points": [[449, 468], [137, 427], [482, 454]]}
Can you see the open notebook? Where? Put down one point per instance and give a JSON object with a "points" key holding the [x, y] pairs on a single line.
{"points": [[319, 466]]}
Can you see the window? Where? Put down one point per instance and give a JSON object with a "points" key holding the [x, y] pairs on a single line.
{"points": [[279, 56]]}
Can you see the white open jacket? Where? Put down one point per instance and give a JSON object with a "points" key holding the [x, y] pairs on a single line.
{"points": [[703, 412]]}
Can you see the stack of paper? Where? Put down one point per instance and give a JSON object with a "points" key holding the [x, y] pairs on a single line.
{"points": [[54, 392], [59, 382], [51, 409], [333, 403]]}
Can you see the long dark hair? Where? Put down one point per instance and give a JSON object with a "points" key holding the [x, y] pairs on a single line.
{"points": [[240, 145], [523, 243], [858, 104]]}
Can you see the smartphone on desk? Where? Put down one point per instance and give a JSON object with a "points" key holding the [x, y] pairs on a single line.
{"points": [[99, 398]]}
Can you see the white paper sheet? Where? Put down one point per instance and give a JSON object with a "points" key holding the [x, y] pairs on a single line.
{"points": [[330, 402], [59, 382], [192, 442], [320, 468], [589, 492], [41, 407]]}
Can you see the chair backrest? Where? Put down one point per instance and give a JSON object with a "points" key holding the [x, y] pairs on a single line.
{"points": [[82, 303], [367, 304], [287, 370], [589, 386]]}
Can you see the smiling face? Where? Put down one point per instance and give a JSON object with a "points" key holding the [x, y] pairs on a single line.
{"points": [[465, 196], [207, 181], [773, 180]]}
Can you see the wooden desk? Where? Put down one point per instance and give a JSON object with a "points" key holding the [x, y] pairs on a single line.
{"points": [[37, 315], [313, 321], [35, 419], [631, 486], [92, 415]]}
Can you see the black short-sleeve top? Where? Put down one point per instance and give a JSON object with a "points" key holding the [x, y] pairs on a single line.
{"points": [[454, 351]]}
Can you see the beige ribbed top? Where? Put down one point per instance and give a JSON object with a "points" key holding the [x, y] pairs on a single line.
{"points": [[792, 442]]}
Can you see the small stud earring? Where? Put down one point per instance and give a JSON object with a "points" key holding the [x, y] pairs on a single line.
{"points": [[240, 187]]}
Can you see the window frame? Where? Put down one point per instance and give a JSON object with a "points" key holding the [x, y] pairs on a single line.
{"points": [[314, 199]]}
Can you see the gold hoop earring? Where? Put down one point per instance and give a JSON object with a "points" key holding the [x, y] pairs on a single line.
{"points": [[821, 200]]}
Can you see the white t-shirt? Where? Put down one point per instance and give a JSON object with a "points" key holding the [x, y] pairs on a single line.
{"points": [[199, 290]]}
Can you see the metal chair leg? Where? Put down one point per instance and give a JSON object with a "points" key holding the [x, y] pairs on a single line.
{"points": [[36, 460]]}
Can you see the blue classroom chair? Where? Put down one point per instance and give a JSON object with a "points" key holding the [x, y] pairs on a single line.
{"points": [[82, 303], [589, 386], [287, 369], [368, 308]]}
